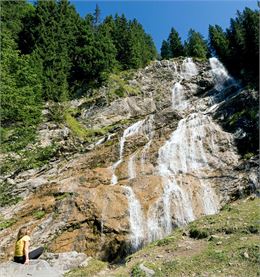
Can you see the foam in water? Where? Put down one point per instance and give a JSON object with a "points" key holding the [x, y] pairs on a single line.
{"points": [[219, 73], [178, 97], [136, 219], [130, 131], [188, 151], [131, 167], [188, 69], [184, 153]]}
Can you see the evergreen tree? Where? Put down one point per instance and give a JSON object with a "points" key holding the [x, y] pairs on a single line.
{"points": [[238, 47], [53, 39], [97, 15], [175, 44], [196, 46], [20, 86], [12, 14], [165, 50], [218, 41], [120, 36]]}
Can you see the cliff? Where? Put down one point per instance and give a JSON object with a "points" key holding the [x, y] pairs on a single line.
{"points": [[152, 150]]}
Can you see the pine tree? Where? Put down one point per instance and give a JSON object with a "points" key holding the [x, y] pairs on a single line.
{"points": [[53, 32], [165, 50], [97, 15], [20, 86], [196, 46], [175, 44], [218, 41]]}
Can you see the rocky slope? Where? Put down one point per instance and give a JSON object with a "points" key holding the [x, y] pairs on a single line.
{"points": [[140, 156]]}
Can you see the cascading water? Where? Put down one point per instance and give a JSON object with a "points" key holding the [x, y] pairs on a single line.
{"points": [[220, 75], [136, 219], [131, 167], [178, 97], [130, 131], [188, 69], [187, 153]]}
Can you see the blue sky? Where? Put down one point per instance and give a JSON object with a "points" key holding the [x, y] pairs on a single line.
{"points": [[157, 17]]}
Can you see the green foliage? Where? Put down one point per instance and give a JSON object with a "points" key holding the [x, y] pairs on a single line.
{"points": [[29, 159], [6, 196], [39, 214], [137, 272], [6, 223], [238, 47], [20, 87], [175, 45], [198, 234], [196, 46], [118, 86], [15, 138], [62, 195], [93, 267], [165, 50]]}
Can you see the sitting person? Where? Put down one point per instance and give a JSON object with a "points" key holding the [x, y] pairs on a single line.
{"points": [[21, 253]]}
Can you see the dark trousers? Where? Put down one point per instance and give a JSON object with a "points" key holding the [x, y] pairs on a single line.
{"points": [[35, 254]]}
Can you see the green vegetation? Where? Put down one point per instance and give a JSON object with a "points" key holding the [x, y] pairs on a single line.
{"points": [[6, 223], [6, 196], [81, 54], [28, 159], [119, 87], [226, 244], [238, 46], [195, 46], [59, 196], [39, 214], [93, 267]]}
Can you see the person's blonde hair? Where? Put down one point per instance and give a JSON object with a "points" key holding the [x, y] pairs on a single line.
{"points": [[22, 232]]}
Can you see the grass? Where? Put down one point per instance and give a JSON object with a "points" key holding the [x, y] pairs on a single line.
{"points": [[6, 223], [226, 244], [62, 195], [119, 87], [29, 159], [80, 131], [6, 197], [93, 267], [39, 214]]}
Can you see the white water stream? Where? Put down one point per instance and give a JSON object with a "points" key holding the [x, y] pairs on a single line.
{"points": [[191, 150]]}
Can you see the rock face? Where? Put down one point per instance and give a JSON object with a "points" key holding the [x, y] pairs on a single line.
{"points": [[53, 265], [36, 268], [163, 161]]}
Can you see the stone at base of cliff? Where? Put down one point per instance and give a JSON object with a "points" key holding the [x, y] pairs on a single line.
{"points": [[36, 268], [53, 265], [66, 261]]}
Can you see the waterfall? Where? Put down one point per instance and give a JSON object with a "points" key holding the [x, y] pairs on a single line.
{"points": [[131, 167], [185, 153], [136, 219], [178, 97], [219, 74], [188, 69], [130, 131], [149, 132], [186, 157]]}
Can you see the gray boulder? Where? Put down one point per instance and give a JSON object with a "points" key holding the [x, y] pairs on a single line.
{"points": [[36, 268]]}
